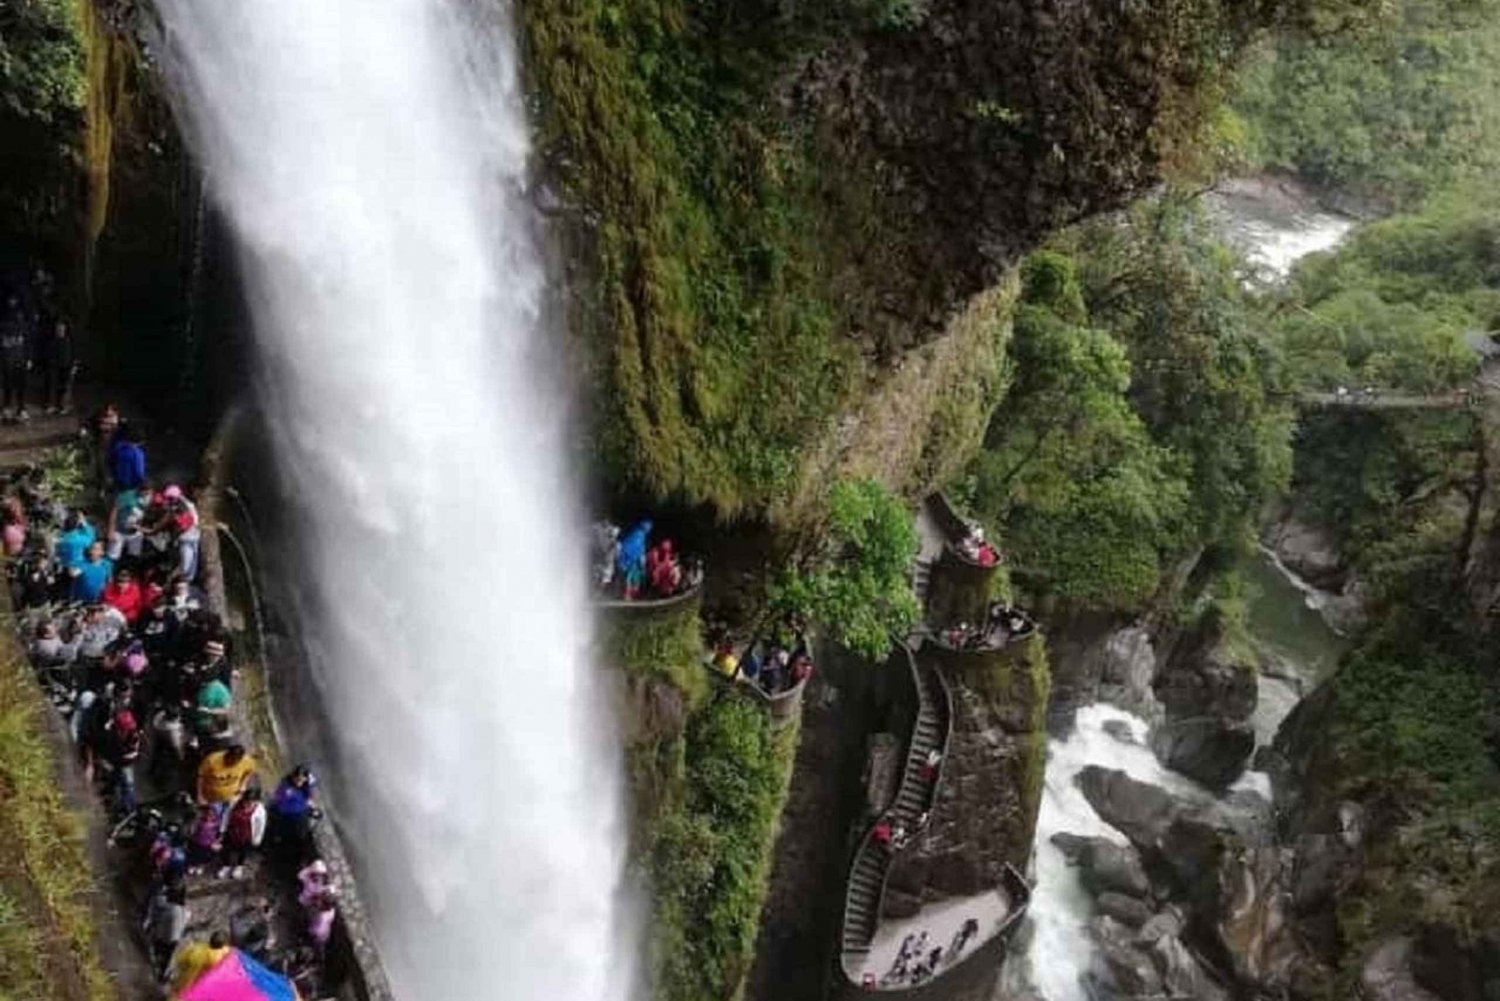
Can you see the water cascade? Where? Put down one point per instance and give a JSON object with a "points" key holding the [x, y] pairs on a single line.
{"points": [[372, 160]]}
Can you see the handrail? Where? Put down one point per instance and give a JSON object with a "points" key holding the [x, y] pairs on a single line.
{"points": [[954, 527], [1017, 889], [937, 639], [650, 604], [909, 773]]}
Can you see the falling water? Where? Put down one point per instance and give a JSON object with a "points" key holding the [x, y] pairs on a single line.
{"points": [[1060, 949], [372, 159]]}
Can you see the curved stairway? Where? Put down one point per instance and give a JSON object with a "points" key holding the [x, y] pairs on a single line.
{"points": [[872, 862]]}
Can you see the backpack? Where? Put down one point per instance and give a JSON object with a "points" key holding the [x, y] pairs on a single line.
{"points": [[241, 827]]}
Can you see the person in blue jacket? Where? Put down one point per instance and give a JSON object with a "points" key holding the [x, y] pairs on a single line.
{"points": [[74, 542], [93, 575], [631, 558], [127, 459]]}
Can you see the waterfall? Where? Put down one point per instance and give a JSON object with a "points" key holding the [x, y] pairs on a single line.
{"points": [[372, 159]]}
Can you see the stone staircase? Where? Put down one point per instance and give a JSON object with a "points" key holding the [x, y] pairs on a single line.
{"points": [[872, 862], [921, 577]]}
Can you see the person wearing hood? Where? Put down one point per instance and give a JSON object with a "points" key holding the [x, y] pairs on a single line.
{"points": [[180, 522], [292, 809], [122, 750], [74, 542], [127, 459], [663, 570], [630, 559]]}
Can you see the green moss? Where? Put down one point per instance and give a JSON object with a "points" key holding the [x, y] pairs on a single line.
{"points": [[1412, 715], [711, 327], [706, 799], [708, 851], [1021, 676], [666, 645], [47, 931]]}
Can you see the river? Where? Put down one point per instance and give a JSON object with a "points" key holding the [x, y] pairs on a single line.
{"points": [[1274, 223]]}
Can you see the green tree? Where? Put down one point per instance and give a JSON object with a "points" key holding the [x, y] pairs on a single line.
{"points": [[41, 104], [855, 580], [1394, 113], [1391, 307], [1204, 379], [1087, 502]]}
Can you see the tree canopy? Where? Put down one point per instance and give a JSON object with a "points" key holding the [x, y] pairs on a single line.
{"points": [[1140, 425], [856, 578]]}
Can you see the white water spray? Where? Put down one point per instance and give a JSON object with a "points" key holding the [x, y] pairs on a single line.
{"points": [[1061, 950], [372, 159]]}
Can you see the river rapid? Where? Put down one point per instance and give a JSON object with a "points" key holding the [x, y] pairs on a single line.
{"points": [[1274, 223]]}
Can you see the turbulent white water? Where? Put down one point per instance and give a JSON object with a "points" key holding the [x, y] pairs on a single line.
{"points": [[372, 158], [1061, 950], [1275, 224]]}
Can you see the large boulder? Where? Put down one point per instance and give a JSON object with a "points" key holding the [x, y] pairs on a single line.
{"points": [[1387, 975], [1140, 811], [1120, 968], [1309, 551], [1207, 749], [1130, 911], [1182, 975], [1105, 865], [1208, 673]]}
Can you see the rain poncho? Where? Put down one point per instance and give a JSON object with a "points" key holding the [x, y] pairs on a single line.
{"points": [[631, 557]]}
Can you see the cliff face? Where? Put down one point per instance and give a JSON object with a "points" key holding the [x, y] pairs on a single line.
{"points": [[772, 206]]}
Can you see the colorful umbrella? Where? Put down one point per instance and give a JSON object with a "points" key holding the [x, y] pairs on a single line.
{"points": [[239, 978]]}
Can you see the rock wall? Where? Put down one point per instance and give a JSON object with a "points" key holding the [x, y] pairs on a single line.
{"points": [[984, 816]]}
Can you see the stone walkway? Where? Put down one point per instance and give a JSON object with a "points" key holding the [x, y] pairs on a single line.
{"points": [[941, 924]]}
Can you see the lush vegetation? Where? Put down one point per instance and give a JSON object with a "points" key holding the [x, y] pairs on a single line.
{"points": [[856, 580], [47, 931], [711, 853], [41, 117], [715, 344], [708, 778], [1141, 426], [1414, 727], [1392, 306], [1403, 109]]}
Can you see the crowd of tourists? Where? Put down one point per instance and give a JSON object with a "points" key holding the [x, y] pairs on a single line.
{"points": [[34, 338], [120, 636], [773, 668], [630, 567], [915, 963], [1002, 624]]}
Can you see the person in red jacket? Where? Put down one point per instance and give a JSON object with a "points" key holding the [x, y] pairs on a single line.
{"points": [[662, 569], [124, 594]]}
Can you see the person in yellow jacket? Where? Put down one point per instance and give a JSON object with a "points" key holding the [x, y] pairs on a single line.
{"points": [[193, 959], [223, 775]]}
